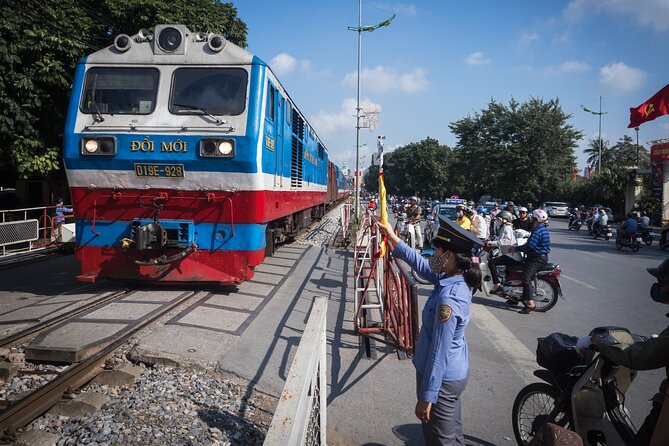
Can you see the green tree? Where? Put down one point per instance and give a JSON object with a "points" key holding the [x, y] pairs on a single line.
{"points": [[517, 151], [40, 43], [420, 168]]}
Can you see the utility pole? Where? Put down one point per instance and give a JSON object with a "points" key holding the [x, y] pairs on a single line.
{"points": [[600, 113]]}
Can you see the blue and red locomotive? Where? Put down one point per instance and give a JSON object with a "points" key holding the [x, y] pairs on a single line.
{"points": [[187, 160]]}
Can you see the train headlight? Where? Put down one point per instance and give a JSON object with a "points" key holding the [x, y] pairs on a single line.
{"points": [[220, 148], [122, 42], [105, 146], [170, 39], [216, 43]]}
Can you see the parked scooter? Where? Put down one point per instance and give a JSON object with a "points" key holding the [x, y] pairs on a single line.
{"points": [[632, 241], [585, 394], [546, 284], [603, 231]]}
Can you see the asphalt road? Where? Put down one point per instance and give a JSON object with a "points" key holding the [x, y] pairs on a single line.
{"points": [[601, 286]]}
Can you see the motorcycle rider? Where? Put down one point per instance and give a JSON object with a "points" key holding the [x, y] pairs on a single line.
{"points": [[628, 228], [536, 250], [523, 221], [650, 354], [574, 216], [601, 220], [462, 219], [414, 214], [504, 241], [644, 221], [511, 208]]}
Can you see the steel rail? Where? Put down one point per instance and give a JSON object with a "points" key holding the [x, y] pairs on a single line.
{"points": [[22, 412], [19, 335]]}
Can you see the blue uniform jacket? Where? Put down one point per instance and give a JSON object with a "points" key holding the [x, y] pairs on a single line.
{"points": [[441, 353]]}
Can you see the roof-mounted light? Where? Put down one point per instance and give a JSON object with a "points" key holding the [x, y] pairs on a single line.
{"points": [[216, 43], [143, 35], [122, 42], [170, 39]]}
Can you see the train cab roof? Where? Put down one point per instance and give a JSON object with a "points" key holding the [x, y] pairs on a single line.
{"points": [[173, 44]]}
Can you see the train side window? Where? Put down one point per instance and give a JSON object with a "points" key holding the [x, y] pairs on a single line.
{"points": [[289, 113], [271, 102]]}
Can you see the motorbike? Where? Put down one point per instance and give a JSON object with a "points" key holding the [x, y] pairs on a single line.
{"points": [[646, 236], [582, 393], [632, 241], [575, 223], [603, 231], [664, 239], [547, 287]]}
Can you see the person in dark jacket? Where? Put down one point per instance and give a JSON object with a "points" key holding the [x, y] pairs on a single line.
{"points": [[650, 354]]}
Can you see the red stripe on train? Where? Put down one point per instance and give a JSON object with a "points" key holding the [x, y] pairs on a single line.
{"points": [[222, 267], [210, 206]]}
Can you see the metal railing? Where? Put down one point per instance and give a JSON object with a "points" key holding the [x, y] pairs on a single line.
{"points": [[27, 230], [300, 417], [385, 294]]}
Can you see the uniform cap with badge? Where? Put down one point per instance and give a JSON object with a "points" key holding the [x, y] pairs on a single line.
{"points": [[453, 238]]}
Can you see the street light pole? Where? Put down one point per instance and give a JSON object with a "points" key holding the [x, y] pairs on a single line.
{"points": [[637, 147], [599, 169], [359, 29], [600, 113]]}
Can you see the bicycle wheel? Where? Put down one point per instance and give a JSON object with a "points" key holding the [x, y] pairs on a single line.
{"points": [[535, 406]]}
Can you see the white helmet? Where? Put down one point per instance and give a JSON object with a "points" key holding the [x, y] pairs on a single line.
{"points": [[540, 215], [522, 209]]}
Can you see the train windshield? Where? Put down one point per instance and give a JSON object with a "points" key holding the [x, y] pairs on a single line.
{"points": [[216, 91], [114, 90]]}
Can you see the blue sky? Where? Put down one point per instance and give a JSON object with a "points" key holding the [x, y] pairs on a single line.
{"points": [[440, 60]]}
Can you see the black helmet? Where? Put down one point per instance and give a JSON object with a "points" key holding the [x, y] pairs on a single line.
{"points": [[662, 275], [59, 200], [505, 215]]}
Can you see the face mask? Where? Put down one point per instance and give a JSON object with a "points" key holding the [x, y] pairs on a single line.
{"points": [[658, 295], [437, 263]]}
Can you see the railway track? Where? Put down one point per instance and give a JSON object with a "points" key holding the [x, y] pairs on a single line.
{"points": [[19, 413]]}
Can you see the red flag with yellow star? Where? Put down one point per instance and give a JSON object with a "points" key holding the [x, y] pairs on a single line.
{"points": [[653, 108]]}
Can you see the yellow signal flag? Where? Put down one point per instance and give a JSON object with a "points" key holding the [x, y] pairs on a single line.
{"points": [[384, 212]]}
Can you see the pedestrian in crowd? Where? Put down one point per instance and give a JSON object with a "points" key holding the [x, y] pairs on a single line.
{"points": [[414, 213], [462, 219], [494, 211], [441, 359], [59, 218], [644, 221], [479, 223], [512, 208], [536, 256], [523, 221]]}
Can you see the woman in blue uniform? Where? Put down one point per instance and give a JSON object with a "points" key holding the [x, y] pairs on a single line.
{"points": [[441, 359]]}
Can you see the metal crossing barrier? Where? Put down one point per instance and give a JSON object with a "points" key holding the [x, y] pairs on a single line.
{"points": [[345, 218], [28, 230], [385, 294], [300, 417]]}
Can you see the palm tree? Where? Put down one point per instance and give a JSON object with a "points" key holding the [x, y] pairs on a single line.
{"points": [[593, 152]]}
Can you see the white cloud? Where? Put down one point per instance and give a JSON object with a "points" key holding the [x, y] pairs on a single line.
{"points": [[405, 8], [563, 39], [327, 122], [284, 63], [477, 58], [664, 125], [621, 78], [648, 13], [526, 39], [568, 67], [382, 79]]}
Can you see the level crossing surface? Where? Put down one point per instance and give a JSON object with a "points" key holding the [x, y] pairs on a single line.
{"points": [[371, 401]]}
